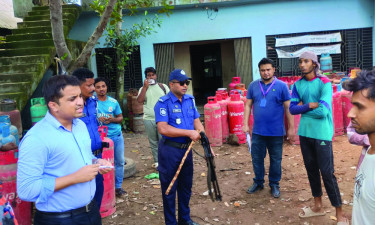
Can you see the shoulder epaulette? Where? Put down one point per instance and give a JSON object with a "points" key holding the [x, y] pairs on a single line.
{"points": [[164, 98]]}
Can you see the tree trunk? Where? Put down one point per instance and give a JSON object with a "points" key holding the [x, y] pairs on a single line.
{"points": [[58, 32], [120, 71]]}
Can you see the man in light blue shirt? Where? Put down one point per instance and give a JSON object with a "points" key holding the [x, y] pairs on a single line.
{"points": [[110, 115], [55, 166]]}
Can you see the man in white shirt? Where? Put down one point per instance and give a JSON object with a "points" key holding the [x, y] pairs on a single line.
{"points": [[363, 121]]}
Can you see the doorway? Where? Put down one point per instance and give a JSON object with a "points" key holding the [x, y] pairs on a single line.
{"points": [[206, 70]]}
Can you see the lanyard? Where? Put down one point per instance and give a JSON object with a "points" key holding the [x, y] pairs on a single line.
{"points": [[261, 88]]}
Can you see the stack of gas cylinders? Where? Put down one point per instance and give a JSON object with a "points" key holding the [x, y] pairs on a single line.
{"points": [[223, 114], [10, 132]]}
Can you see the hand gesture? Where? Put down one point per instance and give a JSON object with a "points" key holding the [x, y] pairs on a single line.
{"points": [[245, 128], [86, 173], [313, 105], [194, 135], [103, 162], [109, 119], [102, 119], [145, 83]]}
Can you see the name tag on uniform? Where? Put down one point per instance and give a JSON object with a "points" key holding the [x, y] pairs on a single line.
{"points": [[176, 110]]}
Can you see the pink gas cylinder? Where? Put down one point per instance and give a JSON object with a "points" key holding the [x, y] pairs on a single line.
{"points": [[337, 113], [212, 120], [8, 177], [108, 206], [235, 80], [224, 117], [235, 111], [346, 97], [243, 97], [251, 121]]}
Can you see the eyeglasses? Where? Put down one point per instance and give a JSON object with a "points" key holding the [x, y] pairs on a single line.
{"points": [[182, 83]]}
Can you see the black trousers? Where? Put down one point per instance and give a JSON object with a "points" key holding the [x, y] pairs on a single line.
{"points": [[85, 218], [318, 159]]}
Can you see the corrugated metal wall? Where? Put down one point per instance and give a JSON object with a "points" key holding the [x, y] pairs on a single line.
{"points": [[243, 58], [164, 61]]}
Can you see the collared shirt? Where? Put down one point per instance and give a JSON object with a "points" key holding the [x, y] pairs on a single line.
{"points": [[269, 120], [110, 107], [49, 151], [89, 118], [176, 113]]}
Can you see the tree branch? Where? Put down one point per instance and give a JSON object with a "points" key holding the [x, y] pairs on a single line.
{"points": [[86, 52]]}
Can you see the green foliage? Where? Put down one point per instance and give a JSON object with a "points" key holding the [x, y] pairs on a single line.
{"points": [[2, 39], [64, 56]]}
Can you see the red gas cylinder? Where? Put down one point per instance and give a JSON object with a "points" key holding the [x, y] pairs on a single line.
{"points": [[243, 97], [346, 97], [8, 176], [235, 80], [224, 117], [337, 114], [108, 206], [235, 111], [251, 121], [9, 107], [212, 120]]}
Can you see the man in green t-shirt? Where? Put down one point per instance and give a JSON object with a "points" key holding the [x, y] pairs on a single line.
{"points": [[148, 95]]}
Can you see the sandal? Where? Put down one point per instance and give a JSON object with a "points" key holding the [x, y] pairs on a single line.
{"points": [[307, 212]]}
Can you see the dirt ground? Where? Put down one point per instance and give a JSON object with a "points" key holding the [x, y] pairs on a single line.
{"points": [[144, 203]]}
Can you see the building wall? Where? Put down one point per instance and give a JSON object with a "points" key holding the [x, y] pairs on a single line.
{"points": [[255, 20], [182, 60]]}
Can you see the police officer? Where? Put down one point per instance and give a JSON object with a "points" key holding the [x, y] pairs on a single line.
{"points": [[177, 120], [86, 78]]}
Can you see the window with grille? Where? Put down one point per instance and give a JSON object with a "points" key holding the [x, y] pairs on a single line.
{"points": [[356, 51], [107, 68]]}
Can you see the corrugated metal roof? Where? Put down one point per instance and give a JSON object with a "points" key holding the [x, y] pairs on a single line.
{"points": [[7, 19]]}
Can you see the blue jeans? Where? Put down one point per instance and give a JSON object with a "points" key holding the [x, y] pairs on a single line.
{"points": [[119, 148], [274, 144]]}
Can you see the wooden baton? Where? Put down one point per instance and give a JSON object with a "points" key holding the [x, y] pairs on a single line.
{"points": [[179, 168]]}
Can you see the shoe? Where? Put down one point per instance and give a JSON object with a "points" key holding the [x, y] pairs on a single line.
{"points": [[155, 165], [120, 192], [275, 191], [187, 223], [254, 188]]}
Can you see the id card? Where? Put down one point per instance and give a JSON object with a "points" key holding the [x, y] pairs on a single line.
{"points": [[263, 103]]}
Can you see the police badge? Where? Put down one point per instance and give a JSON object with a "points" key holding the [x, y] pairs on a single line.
{"points": [[178, 120], [163, 112]]}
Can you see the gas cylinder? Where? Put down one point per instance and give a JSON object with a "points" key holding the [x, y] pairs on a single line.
{"points": [[9, 107], [13, 129], [243, 97], [346, 96], [251, 121], [38, 109], [240, 86], [297, 119], [212, 120], [235, 80], [235, 112], [108, 206], [8, 141], [8, 176], [224, 116], [326, 62], [337, 114]]}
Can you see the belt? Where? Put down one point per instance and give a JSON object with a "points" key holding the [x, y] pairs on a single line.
{"points": [[176, 144], [85, 209], [97, 152]]}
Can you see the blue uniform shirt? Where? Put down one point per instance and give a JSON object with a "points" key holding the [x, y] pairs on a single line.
{"points": [[89, 118], [110, 107], [177, 114], [269, 120], [49, 151]]}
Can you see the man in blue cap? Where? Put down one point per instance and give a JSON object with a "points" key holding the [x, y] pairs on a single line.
{"points": [[178, 122]]}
